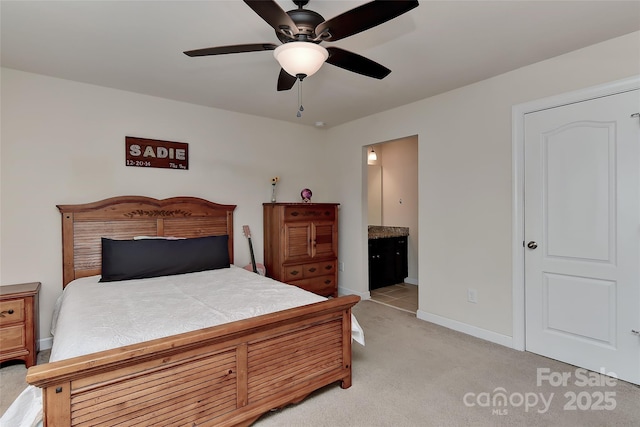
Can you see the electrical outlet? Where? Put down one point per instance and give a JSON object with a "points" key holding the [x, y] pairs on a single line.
{"points": [[341, 266], [472, 295]]}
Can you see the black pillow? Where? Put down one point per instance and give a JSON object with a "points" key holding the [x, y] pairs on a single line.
{"points": [[140, 259]]}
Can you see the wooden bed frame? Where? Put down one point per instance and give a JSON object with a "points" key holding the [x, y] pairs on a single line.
{"points": [[224, 375]]}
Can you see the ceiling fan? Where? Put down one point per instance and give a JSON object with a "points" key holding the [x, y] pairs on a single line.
{"points": [[302, 30]]}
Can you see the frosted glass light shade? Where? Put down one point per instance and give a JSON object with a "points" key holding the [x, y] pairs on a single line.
{"points": [[301, 57]]}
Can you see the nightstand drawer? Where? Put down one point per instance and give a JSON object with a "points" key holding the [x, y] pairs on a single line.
{"points": [[11, 311], [12, 337]]}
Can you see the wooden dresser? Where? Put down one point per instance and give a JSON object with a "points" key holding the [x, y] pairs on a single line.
{"points": [[301, 245], [19, 322]]}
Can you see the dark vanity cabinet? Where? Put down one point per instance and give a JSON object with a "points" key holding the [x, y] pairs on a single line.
{"points": [[388, 263]]}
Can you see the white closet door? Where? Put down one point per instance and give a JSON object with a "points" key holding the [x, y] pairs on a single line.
{"points": [[582, 228]]}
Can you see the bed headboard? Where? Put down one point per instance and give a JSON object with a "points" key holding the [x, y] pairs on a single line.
{"points": [[125, 217]]}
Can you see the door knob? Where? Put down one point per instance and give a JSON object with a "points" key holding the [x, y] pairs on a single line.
{"points": [[532, 245]]}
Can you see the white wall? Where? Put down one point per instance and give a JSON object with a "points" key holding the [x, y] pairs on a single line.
{"points": [[374, 192], [62, 142], [464, 182], [399, 161]]}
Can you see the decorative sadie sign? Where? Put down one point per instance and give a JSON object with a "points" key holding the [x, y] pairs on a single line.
{"points": [[153, 153]]}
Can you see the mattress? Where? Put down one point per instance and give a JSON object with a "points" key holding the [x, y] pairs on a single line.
{"points": [[128, 312]]}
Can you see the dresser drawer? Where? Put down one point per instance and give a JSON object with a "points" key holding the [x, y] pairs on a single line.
{"points": [[12, 337], [321, 285], [310, 212], [309, 270], [293, 272], [11, 311], [327, 267]]}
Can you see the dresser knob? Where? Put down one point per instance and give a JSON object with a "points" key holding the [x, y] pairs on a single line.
{"points": [[2, 313], [312, 269]]}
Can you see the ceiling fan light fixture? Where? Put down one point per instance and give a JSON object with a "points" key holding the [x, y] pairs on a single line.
{"points": [[300, 57]]}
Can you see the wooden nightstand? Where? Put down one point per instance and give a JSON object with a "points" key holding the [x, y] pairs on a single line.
{"points": [[19, 322]]}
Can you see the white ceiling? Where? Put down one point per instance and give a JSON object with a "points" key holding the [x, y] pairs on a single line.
{"points": [[137, 46]]}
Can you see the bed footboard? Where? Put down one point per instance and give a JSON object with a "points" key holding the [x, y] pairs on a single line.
{"points": [[224, 375]]}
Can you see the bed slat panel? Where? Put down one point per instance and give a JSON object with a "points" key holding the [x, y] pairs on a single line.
{"points": [[279, 363], [271, 356], [203, 386], [87, 251], [275, 382], [90, 396], [195, 227]]}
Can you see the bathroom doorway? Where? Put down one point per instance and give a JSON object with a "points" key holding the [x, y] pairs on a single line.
{"points": [[392, 206]]}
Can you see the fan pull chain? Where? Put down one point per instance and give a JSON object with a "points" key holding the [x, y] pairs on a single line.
{"points": [[301, 108]]}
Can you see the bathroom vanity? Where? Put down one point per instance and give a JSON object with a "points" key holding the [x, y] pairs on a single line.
{"points": [[388, 264]]}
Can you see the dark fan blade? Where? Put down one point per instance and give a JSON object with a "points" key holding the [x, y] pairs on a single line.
{"points": [[274, 16], [358, 64], [362, 18], [285, 80], [239, 48]]}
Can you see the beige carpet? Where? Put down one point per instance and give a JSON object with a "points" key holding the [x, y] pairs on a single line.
{"points": [[413, 373]]}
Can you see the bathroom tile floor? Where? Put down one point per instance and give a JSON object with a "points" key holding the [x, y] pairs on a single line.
{"points": [[402, 296]]}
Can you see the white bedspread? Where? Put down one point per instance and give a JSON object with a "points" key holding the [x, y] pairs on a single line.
{"points": [[92, 316], [119, 313]]}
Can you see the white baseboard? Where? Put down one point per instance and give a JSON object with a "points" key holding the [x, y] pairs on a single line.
{"points": [[45, 343], [466, 328], [411, 280]]}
